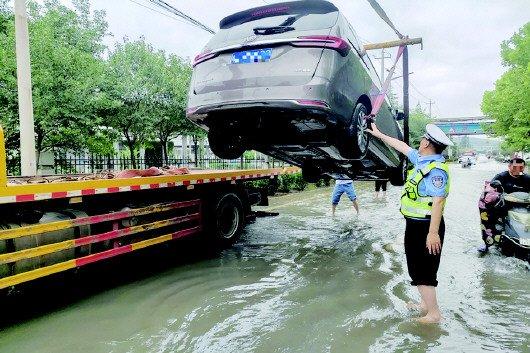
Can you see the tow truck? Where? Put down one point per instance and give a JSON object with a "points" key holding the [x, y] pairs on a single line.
{"points": [[47, 228]]}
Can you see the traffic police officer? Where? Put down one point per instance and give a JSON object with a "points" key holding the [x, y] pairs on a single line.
{"points": [[422, 204]]}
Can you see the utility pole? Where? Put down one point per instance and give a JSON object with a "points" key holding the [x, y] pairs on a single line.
{"points": [[28, 165], [382, 58], [430, 103], [406, 128]]}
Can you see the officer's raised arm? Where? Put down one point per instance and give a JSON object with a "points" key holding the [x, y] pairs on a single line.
{"points": [[392, 142]]}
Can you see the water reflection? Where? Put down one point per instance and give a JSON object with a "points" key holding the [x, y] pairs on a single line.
{"points": [[303, 282]]}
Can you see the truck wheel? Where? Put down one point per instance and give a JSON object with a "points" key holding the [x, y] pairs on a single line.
{"points": [[228, 219], [226, 146], [398, 175], [356, 139]]}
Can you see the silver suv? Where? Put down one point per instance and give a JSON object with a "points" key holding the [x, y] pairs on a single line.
{"points": [[290, 80]]}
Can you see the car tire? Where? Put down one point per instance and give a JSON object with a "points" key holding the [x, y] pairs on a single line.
{"points": [[356, 138], [310, 173], [226, 146], [398, 175]]}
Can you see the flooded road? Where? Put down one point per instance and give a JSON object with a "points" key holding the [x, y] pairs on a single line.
{"points": [[303, 282]]}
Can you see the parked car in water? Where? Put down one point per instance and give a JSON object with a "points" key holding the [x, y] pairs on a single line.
{"points": [[291, 80]]}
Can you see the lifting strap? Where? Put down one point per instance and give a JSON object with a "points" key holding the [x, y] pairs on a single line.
{"points": [[380, 98]]}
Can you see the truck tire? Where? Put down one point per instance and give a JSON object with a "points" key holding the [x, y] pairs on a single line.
{"points": [[228, 219], [356, 139]]}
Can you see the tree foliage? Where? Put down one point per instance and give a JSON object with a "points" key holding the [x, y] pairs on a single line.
{"points": [[83, 98], [418, 119], [509, 102], [65, 50]]}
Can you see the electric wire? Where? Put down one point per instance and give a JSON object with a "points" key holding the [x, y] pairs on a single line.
{"points": [[159, 12], [164, 5]]}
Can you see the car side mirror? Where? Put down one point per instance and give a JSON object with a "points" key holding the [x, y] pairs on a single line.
{"points": [[400, 116]]}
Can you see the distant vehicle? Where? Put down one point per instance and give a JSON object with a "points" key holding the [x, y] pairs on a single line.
{"points": [[468, 158], [291, 80], [465, 162]]}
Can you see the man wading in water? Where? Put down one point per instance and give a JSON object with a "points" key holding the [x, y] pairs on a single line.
{"points": [[422, 204]]}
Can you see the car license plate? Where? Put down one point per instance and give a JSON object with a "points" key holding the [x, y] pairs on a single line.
{"points": [[252, 56]]}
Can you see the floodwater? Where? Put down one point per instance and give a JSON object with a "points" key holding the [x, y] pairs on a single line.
{"points": [[303, 282]]}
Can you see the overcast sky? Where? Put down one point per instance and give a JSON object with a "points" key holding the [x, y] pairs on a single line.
{"points": [[459, 61]]}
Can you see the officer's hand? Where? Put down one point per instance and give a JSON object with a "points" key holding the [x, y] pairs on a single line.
{"points": [[433, 244], [374, 130]]}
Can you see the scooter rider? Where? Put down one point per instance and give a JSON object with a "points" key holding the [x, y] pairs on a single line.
{"points": [[492, 210], [514, 179], [422, 204]]}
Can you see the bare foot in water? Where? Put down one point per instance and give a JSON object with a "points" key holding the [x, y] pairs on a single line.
{"points": [[429, 319], [415, 306]]}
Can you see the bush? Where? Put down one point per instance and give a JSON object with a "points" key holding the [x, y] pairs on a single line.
{"points": [[323, 182], [290, 182]]}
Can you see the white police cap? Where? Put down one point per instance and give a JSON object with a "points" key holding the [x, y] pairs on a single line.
{"points": [[436, 135]]}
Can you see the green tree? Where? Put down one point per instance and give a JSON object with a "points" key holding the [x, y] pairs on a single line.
{"points": [[170, 101], [509, 102], [418, 119], [134, 93], [66, 47]]}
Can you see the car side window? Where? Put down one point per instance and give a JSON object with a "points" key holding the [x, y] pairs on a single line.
{"points": [[354, 41]]}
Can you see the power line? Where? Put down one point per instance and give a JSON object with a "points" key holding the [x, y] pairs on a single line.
{"points": [[164, 5], [159, 12], [418, 91]]}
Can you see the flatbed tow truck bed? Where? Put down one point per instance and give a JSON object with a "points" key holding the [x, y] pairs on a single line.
{"points": [[55, 225]]}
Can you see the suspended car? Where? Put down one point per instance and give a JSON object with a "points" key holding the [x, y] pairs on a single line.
{"points": [[291, 80]]}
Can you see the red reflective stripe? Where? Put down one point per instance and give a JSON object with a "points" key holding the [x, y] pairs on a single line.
{"points": [[59, 194], [186, 182], [103, 255], [170, 185], [113, 189], [223, 179], [154, 186], [212, 180], [88, 192], [200, 181], [100, 237], [24, 198], [185, 232], [135, 187]]}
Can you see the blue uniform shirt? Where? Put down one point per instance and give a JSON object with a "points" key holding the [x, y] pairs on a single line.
{"points": [[434, 183]]}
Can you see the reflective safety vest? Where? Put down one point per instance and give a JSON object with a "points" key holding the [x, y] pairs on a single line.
{"points": [[414, 205]]}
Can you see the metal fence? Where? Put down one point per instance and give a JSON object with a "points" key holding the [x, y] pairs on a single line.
{"points": [[96, 163]]}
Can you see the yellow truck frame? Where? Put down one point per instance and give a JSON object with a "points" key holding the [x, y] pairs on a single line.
{"points": [[52, 227]]}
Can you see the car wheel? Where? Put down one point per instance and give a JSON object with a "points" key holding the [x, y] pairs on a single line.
{"points": [[398, 175], [226, 146], [357, 139], [310, 172]]}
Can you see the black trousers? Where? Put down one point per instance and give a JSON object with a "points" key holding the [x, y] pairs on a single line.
{"points": [[421, 265], [380, 184]]}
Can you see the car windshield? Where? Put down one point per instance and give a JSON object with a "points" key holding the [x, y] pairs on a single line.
{"points": [[236, 34], [282, 19]]}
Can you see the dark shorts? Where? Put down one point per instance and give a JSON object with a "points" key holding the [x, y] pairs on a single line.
{"points": [[380, 184], [421, 265]]}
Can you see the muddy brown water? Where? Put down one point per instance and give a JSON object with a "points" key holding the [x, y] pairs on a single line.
{"points": [[303, 282]]}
